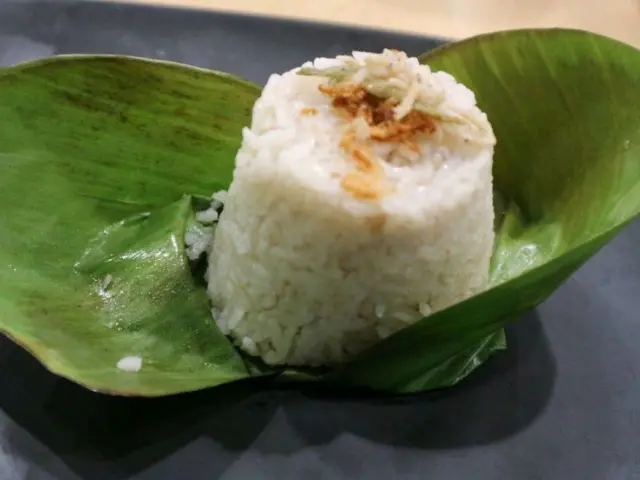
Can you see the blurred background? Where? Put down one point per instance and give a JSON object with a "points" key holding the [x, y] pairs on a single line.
{"points": [[450, 18]]}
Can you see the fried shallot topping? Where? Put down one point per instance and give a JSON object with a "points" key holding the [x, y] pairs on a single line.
{"points": [[354, 101], [367, 182], [391, 98]]}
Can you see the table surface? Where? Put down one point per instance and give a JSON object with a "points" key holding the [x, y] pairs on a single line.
{"points": [[450, 18], [562, 402]]}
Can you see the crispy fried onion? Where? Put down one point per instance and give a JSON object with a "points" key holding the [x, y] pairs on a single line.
{"points": [[381, 124]]}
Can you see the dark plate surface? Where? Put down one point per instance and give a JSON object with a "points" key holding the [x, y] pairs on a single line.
{"points": [[562, 403]]}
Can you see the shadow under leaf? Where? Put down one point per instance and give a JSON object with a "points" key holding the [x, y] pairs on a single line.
{"points": [[500, 399], [102, 436], [119, 437]]}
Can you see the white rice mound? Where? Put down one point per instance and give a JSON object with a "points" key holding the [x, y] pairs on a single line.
{"points": [[301, 272]]}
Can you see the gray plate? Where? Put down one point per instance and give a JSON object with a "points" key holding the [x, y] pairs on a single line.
{"points": [[562, 403]]}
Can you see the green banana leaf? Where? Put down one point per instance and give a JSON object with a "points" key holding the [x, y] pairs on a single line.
{"points": [[104, 159]]}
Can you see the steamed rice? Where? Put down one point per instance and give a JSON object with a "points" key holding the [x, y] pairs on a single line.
{"points": [[317, 255]]}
